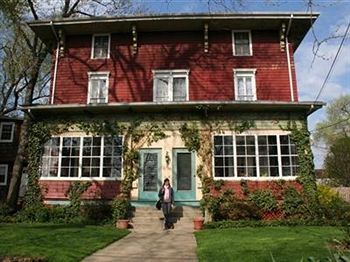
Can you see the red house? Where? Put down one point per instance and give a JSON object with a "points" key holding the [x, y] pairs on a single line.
{"points": [[198, 69]]}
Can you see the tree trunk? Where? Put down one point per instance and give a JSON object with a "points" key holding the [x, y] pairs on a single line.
{"points": [[12, 195]]}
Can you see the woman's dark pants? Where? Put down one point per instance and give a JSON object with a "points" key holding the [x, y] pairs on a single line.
{"points": [[166, 207]]}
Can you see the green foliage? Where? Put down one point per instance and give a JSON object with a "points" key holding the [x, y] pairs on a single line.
{"points": [[244, 187], [74, 192], [300, 136], [332, 205], [337, 162], [121, 208], [337, 121], [190, 136], [264, 199], [293, 203]]}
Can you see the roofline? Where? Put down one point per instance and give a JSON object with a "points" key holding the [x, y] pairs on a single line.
{"points": [[305, 106], [203, 16]]}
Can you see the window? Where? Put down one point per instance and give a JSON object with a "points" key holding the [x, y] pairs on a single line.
{"points": [[98, 87], [100, 46], [242, 43], [244, 80], [170, 85], [3, 174], [256, 156], [82, 157], [6, 131]]}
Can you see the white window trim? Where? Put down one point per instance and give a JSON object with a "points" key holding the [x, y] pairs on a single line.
{"points": [[179, 73], [80, 178], [239, 72], [12, 133], [98, 75], [257, 178], [250, 42], [6, 173], [93, 46]]}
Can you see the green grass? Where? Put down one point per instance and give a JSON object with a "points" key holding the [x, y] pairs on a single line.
{"points": [[263, 243], [55, 242]]}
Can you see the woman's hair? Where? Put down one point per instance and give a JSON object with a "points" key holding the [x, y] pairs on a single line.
{"points": [[167, 179]]}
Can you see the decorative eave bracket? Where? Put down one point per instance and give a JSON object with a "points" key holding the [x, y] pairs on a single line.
{"points": [[206, 38], [283, 37], [62, 42], [134, 40]]}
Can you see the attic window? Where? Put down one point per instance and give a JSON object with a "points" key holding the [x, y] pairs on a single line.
{"points": [[242, 43], [100, 46], [6, 131]]}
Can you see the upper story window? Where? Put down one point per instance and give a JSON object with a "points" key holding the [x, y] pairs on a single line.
{"points": [[245, 88], [242, 43], [7, 130], [98, 87], [170, 85], [3, 174], [100, 46]]}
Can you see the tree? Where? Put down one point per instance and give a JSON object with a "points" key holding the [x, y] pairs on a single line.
{"points": [[337, 122], [24, 73], [337, 162]]}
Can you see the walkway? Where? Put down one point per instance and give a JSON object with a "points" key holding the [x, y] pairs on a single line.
{"points": [[171, 245]]}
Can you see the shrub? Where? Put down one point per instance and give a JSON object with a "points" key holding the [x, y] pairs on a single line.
{"points": [[332, 205], [293, 203], [263, 199], [37, 213], [120, 208], [97, 212]]}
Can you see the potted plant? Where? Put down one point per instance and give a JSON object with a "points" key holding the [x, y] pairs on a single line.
{"points": [[121, 207], [198, 222]]}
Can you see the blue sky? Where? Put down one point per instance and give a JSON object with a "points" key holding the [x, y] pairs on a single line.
{"points": [[334, 17]]}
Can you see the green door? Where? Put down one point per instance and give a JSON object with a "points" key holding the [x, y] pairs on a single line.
{"points": [[184, 175], [150, 177]]}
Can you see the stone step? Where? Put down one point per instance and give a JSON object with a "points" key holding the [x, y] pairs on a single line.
{"points": [[141, 220]]}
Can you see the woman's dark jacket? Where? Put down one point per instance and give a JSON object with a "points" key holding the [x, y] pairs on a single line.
{"points": [[161, 194]]}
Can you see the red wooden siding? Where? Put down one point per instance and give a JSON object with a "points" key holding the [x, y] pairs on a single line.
{"points": [[211, 74], [56, 190]]}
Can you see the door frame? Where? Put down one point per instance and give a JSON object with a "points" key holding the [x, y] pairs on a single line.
{"points": [[149, 196], [191, 196]]}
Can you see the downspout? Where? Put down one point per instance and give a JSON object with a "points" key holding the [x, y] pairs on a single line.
{"points": [[56, 64], [288, 61]]}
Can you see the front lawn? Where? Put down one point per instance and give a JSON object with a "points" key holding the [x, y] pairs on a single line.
{"points": [[55, 242], [266, 243]]}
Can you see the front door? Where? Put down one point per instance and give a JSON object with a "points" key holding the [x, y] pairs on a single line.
{"points": [[150, 177], [184, 175]]}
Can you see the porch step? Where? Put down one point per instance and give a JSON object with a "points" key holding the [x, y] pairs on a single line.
{"points": [[149, 219]]}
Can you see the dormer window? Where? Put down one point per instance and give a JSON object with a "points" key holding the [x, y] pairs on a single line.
{"points": [[242, 43], [170, 85], [98, 87], [7, 130], [245, 88], [100, 46]]}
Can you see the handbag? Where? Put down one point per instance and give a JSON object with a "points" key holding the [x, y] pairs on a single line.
{"points": [[159, 204]]}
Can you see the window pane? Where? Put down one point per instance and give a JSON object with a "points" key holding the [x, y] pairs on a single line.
{"points": [[228, 150], [229, 172], [218, 150], [218, 140], [6, 131], [229, 161], [179, 89], [98, 89], [241, 43], [219, 161], [219, 172], [101, 46], [162, 86]]}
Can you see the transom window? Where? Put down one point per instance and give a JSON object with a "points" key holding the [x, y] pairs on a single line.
{"points": [[245, 88], [3, 174], [98, 87], [100, 46], [242, 43], [254, 156], [82, 157], [170, 85], [6, 131]]}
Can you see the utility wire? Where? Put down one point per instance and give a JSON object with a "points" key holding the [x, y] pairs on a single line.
{"points": [[333, 63], [330, 125]]}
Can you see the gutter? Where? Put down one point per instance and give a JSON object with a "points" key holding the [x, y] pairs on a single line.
{"points": [[56, 64], [291, 87]]}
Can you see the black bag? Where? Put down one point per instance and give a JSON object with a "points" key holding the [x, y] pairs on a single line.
{"points": [[159, 205]]}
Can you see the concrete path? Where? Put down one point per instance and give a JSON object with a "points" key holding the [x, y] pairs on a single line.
{"points": [[170, 245]]}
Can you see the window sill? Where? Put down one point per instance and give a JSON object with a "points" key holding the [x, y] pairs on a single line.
{"points": [[79, 179], [6, 141], [256, 178]]}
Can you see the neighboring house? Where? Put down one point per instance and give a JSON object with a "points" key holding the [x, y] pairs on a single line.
{"points": [[9, 139], [176, 69]]}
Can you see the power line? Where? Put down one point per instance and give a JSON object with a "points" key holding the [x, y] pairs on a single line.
{"points": [[333, 63], [330, 125]]}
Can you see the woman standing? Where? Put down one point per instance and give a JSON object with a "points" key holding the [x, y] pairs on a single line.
{"points": [[166, 195]]}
